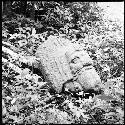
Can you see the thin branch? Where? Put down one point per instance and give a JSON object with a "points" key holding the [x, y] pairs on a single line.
{"points": [[12, 66]]}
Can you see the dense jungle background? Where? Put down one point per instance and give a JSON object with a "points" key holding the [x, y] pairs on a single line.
{"points": [[26, 96]]}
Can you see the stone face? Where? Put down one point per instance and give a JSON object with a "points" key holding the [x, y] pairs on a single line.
{"points": [[79, 59], [81, 65], [62, 60]]}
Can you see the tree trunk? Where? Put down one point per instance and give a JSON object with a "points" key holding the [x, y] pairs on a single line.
{"points": [[23, 7], [6, 7], [32, 13]]}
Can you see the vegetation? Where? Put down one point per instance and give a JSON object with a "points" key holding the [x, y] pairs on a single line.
{"points": [[26, 96]]}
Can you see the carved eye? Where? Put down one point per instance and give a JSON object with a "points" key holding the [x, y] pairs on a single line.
{"points": [[87, 64], [89, 23], [75, 60]]}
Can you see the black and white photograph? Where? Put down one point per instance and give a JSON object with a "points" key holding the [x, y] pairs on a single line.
{"points": [[62, 62]]}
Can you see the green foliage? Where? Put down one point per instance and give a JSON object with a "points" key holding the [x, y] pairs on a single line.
{"points": [[26, 101], [59, 14]]}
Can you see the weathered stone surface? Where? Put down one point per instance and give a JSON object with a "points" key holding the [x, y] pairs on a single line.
{"points": [[54, 64], [88, 78], [82, 65], [73, 86], [62, 60]]}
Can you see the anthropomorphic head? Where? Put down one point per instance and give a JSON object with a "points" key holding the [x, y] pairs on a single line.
{"points": [[81, 66]]}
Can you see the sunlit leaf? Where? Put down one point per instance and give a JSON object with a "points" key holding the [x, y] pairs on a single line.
{"points": [[33, 31], [25, 72], [120, 111], [13, 101]]}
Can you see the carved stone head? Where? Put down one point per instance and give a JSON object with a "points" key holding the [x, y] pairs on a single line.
{"points": [[81, 66], [62, 60]]}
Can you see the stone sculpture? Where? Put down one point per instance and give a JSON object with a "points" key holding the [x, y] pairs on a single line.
{"points": [[63, 63]]}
